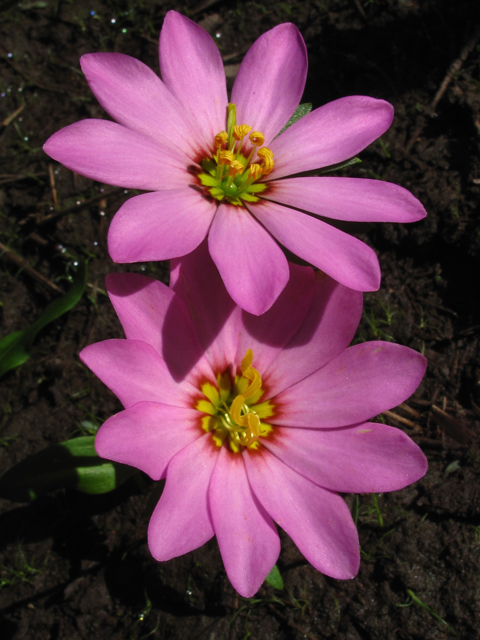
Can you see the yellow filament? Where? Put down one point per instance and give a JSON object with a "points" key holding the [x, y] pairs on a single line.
{"points": [[257, 138], [225, 157], [240, 131], [267, 156], [221, 139]]}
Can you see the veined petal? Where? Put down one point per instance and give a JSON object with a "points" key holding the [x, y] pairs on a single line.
{"points": [[216, 317], [136, 97], [191, 67], [252, 265], [327, 330], [181, 521], [111, 153], [151, 312], [343, 257], [357, 199], [271, 80], [159, 226], [246, 535], [330, 134], [147, 436], [318, 521], [267, 334], [357, 385], [366, 458], [135, 372]]}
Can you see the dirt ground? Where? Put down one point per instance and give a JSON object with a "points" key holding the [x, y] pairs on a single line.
{"points": [[74, 566]]}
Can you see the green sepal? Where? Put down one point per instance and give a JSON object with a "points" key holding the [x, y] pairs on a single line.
{"points": [[300, 111], [248, 197], [15, 347], [73, 464], [256, 187], [274, 579], [207, 180]]}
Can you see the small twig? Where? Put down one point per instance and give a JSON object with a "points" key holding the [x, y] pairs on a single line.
{"points": [[73, 209], [452, 427], [52, 186], [13, 115], [13, 177], [409, 410], [360, 9], [401, 419], [20, 262]]}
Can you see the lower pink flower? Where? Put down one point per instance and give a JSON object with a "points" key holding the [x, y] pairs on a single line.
{"points": [[253, 419]]}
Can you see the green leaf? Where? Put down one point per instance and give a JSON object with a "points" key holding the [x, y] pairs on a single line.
{"points": [[300, 111], [274, 579], [341, 165], [15, 347], [73, 464]]}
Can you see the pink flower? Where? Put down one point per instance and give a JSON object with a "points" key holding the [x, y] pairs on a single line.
{"points": [[253, 419], [173, 138]]}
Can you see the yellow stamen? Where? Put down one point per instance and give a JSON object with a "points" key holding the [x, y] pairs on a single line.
{"points": [[225, 157], [221, 139], [267, 156], [251, 374], [255, 171], [257, 138], [236, 168], [240, 131]]}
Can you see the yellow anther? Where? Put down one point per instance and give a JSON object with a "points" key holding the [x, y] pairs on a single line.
{"points": [[247, 361], [220, 139], [255, 171], [236, 168], [240, 131], [257, 138], [267, 156], [251, 374], [235, 412], [225, 157]]}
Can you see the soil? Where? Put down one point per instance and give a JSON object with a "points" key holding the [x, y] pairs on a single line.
{"points": [[75, 566]]}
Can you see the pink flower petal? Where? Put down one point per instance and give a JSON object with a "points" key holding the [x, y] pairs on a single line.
{"points": [[151, 312], [355, 199], [111, 153], [152, 226], [271, 80], [191, 67], [252, 265], [366, 458], [267, 334], [343, 257], [136, 97], [360, 383], [135, 372], [147, 436], [327, 330], [331, 134], [318, 521], [181, 521], [246, 536], [196, 280]]}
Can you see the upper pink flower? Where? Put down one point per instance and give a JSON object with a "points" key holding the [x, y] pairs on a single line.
{"points": [[171, 139], [253, 419]]}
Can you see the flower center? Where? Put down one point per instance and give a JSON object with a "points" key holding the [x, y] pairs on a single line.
{"points": [[233, 414], [230, 173]]}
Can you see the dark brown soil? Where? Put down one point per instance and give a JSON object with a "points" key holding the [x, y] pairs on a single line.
{"points": [[74, 566]]}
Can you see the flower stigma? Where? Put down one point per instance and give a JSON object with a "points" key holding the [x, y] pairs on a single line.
{"points": [[233, 413], [230, 173]]}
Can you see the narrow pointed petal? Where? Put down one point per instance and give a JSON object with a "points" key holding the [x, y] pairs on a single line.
{"points": [[327, 330], [366, 458], [330, 134], [136, 97], [271, 80], [318, 521], [355, 199], [147, 436], [343, 257], [196, 280], [181, 521], [152, 226], [252, 265], [191, 67], [111, 153], [267, 334], [135, 372], [246, 535], [360, 383], [151, 312]]}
